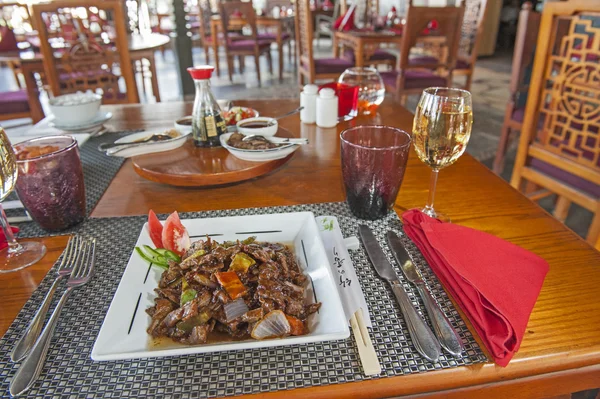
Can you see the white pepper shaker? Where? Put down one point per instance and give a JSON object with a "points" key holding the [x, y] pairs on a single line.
{"points": [[308, 100], [327, 108]]}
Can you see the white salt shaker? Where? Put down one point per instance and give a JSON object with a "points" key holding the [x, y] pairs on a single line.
{"points": [[327, 108], [308, 100]]}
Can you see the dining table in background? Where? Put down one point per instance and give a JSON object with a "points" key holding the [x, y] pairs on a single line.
{"points": [[279, 25], [365, 42], [560, 352], [141, 47]]}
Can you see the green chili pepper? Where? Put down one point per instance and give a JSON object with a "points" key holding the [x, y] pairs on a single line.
{"points": [[168, 254], [158, 261], [187, 296]]}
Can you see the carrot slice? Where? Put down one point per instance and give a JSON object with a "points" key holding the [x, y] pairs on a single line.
{"points": [[297, 326], [231, 283]]}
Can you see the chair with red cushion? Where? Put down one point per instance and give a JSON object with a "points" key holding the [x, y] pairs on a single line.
{"points": [[14, 105], [250, 45], [526, 38], [559, 148], [309, 68], [471, 34], [412, 78]]}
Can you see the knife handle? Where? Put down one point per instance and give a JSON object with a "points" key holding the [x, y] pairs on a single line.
{"points": [[441, 325], [422, 337]]}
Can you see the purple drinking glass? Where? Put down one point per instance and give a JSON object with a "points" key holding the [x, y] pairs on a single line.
{"points": [[50, 183], [373, 164]]}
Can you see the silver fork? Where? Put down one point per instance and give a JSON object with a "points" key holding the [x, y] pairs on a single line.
{"points": [[25, 343], [32, 367]]}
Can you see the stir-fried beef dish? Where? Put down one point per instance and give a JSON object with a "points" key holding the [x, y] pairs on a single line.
{"points": [[255, 143], [245, 289]]}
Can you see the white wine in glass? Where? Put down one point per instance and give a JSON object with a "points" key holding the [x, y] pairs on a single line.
{"points": [[17, 255], [441, 131]]}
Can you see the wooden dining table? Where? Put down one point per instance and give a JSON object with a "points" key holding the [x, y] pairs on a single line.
{"points": [[560, 352], [141, 47], [279, 25], [365, 42]]}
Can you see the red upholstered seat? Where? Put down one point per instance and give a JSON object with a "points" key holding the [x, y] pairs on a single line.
{"points": [[332, 65], [378, 55], [242, 45], [565, 177], [414, 79], [273, 36], [12, 102]]}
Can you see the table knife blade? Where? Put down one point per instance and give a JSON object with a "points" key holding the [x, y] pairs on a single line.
{"points": [[422, 337]]}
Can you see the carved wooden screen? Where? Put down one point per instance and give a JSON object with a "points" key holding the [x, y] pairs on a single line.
{"points": [[85, 47], [570, 97], [471, 27]]}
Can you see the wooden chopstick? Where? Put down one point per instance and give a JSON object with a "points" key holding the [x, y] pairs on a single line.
{"points": [[366, 351]]}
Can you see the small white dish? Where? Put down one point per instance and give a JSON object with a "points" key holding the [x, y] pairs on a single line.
{"points": [[183, 128], [75, 108], [98, 120], [270, 129], [146, 148], [258, 155], [123, 333]]}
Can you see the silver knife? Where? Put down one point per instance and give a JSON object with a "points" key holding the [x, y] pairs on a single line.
{"points": [[441, 325], [422, 337]]}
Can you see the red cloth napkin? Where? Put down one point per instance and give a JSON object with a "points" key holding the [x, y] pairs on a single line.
{"points": [[345, 23], [494, 282], [8, 40], [3, 243]]}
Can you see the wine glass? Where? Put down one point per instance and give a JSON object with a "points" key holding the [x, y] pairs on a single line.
{"points": [[441, 131], [17, 255]]}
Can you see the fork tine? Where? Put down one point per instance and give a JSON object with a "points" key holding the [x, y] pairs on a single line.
{"points": [[71, 246], [87, 260], [78, 260]]}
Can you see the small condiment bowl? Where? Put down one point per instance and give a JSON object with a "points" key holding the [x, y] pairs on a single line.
{"points": [[269, 127], [184, 125]]}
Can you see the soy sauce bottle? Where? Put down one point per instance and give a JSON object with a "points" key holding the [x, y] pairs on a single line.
{"points": [[207, 122]]}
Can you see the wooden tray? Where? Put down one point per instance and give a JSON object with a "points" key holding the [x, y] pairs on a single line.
{"points": [[191, 166]]}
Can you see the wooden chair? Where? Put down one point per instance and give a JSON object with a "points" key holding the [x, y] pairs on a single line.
{"points": [[411, 77], [203, 23], [251, 45], [527, 34], [15, 27], [309, 68], [562, 154], [94, 54], [14, 105], [471, 34]]}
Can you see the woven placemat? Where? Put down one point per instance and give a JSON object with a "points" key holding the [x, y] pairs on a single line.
{"points": [[70, 372], [98, 171]]}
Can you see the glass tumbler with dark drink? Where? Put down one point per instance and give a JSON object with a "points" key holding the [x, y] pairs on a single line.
{"points": [[50, 183], [373, 164]]}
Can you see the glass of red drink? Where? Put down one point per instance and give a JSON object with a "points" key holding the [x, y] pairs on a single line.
{"points": [[50, 183], [373, 164]]}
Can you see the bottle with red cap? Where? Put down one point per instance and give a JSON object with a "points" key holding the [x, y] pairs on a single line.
{"points": [[207, 122]]}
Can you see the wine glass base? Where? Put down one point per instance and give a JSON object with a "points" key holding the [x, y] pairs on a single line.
{"points": [[30, 253], [436, 215]]}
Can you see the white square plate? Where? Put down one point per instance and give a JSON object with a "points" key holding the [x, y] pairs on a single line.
{"points": [[123, 333]]}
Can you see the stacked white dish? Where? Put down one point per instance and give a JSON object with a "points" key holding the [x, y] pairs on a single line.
{"points": [[78, 112]]}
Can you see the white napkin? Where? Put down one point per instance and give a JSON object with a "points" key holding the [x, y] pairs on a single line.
{"points": [[41, 129], [342, 268]]}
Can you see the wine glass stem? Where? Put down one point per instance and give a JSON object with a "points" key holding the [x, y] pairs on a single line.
{"points": [[13, 245], [432, 183]]}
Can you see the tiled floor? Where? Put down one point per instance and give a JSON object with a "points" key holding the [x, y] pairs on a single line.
{"points": [[489, 89]]}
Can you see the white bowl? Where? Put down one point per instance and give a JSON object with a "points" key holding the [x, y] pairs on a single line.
{"points": [[181, 128], [270, 130], [258, 155], [75, 108]]}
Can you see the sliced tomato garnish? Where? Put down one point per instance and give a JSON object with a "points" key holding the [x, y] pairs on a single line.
{"points": [[155, 228], [174, 235]]}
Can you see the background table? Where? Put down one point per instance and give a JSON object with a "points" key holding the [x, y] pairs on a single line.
{"points": [[140, 46], [561, 348]]}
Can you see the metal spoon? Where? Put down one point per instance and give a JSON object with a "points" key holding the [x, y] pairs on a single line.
{"points": [[152, 139], [286, 115], [275, 140]]}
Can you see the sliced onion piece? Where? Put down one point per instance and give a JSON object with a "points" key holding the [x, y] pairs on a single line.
{"points": [[235, 309], [273, 325]]}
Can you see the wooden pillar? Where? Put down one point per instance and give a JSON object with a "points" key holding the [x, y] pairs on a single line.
{"points": [[182, 48]]}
